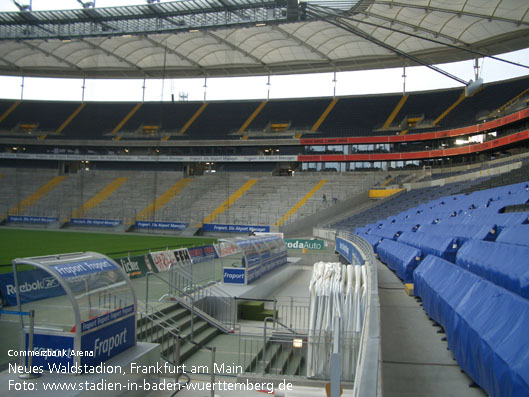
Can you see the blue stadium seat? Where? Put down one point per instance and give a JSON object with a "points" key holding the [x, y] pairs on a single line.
{"points": [[462, 232], [442, 246], [506, 265], [518, 235], [401, 258], [372, 239], [486, 325]]}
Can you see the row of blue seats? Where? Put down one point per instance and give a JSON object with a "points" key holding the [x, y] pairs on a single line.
{"points": [[486, 325], [513, 234], [470, 267], [504, 261], [454, 216], [452, 206]]}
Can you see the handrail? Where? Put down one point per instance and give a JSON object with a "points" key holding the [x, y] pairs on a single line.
{"points": [[210, 290], [161, 320], [176, 358], [210, 285], [275, 321], [189, 306], [254, 299]]}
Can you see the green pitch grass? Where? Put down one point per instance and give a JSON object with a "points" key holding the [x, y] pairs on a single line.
{"points": [[16, 243]]}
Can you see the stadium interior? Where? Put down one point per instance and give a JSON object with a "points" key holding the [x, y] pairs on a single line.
{"points": [[429, 189]]}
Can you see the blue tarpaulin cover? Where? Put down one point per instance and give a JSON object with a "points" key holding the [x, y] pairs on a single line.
{"points": [[388, 232], [486, 325], [462, 232], [486, 216], [371, 239], [518, 235], [401, 258], [442, 246], [506, 265], [403, 225], [361, 230]]}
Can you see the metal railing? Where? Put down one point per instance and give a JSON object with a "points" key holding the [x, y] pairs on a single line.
{"points": [[289, 353], [195, 275], [196, 304], [293, 311], [275, 356], [265, 340], [165, 328], [29, 372], [206, 295]]}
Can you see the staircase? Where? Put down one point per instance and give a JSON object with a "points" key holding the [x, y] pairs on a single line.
{"points": [[280, 356], [173, 321]]}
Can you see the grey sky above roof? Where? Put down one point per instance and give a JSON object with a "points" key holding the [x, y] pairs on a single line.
{"points": [[193, 38]]}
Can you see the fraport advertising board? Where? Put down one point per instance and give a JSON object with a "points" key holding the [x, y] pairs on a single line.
{"points": [[234, 276], [216, 227]]}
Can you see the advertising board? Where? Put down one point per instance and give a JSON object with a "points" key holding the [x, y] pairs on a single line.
{"points": [[234, 276]]}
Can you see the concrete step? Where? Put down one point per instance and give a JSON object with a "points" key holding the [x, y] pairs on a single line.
{"points": [[295, 365]]}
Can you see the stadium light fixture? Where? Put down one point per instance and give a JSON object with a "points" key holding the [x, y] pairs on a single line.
{"points": [[87, 4], [23, 7], [297, 343]]}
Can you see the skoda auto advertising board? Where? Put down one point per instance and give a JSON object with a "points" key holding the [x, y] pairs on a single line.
{"points": [[304, 243]]}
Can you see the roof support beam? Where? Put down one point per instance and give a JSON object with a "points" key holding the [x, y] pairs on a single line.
{"points": [[110, 53], [238, 49], [178, 54], [342, 23], [406, 24], [304, 44], [466, 47], [49, 54], [455, 12]]}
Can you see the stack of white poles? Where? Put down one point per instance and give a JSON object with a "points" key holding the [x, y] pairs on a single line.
{"points": [[336, 290]]}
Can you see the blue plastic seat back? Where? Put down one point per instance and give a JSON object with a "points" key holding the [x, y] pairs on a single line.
{"points": [[517, 234], [506, 265]]}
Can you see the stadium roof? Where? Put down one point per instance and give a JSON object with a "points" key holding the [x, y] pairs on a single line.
{"points": [[198, 38]]}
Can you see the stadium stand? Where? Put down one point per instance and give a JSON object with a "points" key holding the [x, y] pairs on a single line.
{"points": [[124, 195], [459, 234], [467, 261], [350, 116], [97, 120], [426, 105], [220, 119]]}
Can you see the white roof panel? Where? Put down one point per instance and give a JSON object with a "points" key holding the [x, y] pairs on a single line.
{"points": [[190, 38]]}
